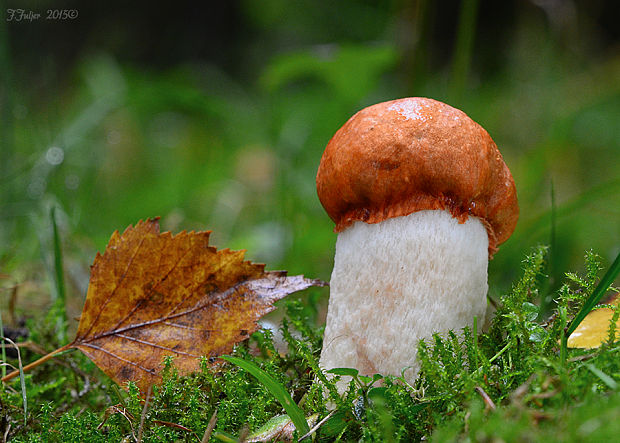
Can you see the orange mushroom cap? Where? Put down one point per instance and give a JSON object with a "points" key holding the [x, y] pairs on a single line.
{"points": [[412, 154]]}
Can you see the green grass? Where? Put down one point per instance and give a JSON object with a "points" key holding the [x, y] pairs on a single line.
{"points": [[511, 382], [276, 389]]}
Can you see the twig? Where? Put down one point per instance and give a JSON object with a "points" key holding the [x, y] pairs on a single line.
{"points": [[129, 417], [520, 392], [32, 346], [243, 433], [143, 415], [317, 426], [543, 395], [467, 417], [581, 358], [175, 426], [115, 409], [6, 433], [487, 400], [210, 427]]}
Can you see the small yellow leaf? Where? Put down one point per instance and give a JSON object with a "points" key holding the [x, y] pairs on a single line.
{"points": [[594, 329]]}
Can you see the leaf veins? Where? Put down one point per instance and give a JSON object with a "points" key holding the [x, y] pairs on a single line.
{"points": [[152, 295]]}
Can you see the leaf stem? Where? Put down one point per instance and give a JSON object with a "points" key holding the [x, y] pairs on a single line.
{"points": [[499, 353], [38, 362]]}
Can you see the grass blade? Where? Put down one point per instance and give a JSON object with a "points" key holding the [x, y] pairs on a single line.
{"points": [[3, 356], [464, 44], [278, 391], [351, 372], [225, 437], [60, 302], [596, 295], [21, 376], [610, 382]]}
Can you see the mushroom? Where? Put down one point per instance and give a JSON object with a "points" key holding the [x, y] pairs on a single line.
{"points": [[421, 198]]}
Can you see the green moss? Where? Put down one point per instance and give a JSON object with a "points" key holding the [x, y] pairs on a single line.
{"points": [[509, 383]]}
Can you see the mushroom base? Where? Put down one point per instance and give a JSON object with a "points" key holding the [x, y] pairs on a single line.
{"points": [[400, 280]]}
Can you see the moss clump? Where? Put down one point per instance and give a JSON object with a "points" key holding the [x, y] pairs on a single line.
{"points": [[510, 383]]}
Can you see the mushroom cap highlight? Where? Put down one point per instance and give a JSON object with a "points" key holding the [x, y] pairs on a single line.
{"points": [[412, 154]]}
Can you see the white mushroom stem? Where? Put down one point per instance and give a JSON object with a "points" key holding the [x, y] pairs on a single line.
{"points": [[400, 280]]}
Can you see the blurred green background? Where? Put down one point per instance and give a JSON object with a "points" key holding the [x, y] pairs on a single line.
{"points": [[215, 116]]}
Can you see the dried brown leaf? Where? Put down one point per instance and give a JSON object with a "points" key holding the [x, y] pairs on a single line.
{"points": [[154, 295]]}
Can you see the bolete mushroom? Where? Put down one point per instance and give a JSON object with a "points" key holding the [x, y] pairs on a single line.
{"points": [[421, 198]]}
